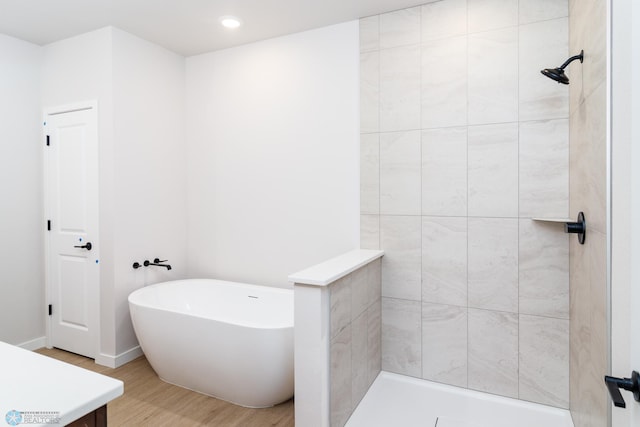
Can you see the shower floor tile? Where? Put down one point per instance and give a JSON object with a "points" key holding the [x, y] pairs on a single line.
{"points": [[404, 401]]}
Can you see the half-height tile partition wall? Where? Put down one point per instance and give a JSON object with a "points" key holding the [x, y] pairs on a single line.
{"points": [[463, 141], [337, 336]]}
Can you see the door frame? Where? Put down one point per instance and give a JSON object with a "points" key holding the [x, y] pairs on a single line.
{"points": [[48, 293], [625, 199]]}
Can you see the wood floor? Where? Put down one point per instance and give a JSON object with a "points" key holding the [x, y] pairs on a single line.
{"points": [[149, 401]]}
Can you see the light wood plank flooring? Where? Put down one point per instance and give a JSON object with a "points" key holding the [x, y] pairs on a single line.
{"points": [[149, 401]]}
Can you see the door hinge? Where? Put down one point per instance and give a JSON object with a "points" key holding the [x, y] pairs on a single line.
{"points": [[48, 225], [50, 309], [48, 142]]}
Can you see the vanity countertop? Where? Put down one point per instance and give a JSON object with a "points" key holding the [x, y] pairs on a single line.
{"points": [[39, 386]]}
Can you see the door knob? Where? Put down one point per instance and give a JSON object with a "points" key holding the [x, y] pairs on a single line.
{"points": [[630, 384], [86, 246]]}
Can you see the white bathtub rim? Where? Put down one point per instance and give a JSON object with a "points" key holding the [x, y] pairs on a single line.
{"points": [[221, 321], [204, 279], [133, 299]]}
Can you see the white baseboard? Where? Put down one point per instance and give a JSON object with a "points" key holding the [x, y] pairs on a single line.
{"points": [[120, 359], [34, 344]]}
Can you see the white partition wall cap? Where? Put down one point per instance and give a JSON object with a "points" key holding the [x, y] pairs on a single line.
{"points": [[329, 271]]}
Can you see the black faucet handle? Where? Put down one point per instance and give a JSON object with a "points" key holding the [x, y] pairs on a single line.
{"points": [[158, 260], [630, 384]]}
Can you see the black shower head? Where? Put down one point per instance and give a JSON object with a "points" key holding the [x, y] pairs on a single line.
{"points": [[558, 74]]}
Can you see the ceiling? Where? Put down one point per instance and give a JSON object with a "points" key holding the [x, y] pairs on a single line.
{"points": [[187, 27]]}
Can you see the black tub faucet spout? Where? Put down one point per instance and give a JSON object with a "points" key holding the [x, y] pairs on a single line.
{"points": [[158, 263]]}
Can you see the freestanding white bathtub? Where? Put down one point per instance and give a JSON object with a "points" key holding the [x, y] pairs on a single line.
{"points": [[232, 341]]}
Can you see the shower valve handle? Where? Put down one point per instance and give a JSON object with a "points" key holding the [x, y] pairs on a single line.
{"points": [[630, 384]]}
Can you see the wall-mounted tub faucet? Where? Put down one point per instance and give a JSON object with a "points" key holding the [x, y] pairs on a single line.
{"points": [[158, 263]]}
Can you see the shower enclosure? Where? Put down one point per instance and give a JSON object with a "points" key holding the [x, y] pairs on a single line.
{"points": [[463, 144]]}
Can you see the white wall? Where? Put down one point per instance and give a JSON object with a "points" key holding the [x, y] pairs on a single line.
{"points": [[21, 221], [272, 131], [150, 170]]}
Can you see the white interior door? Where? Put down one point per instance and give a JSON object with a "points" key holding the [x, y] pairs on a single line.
{"points": [[71, 171]]}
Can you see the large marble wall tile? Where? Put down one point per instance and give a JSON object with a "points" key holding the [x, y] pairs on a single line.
{"points": [[493, 352], [444, 260], [493, 76], [370, 92], [493, 170], [595, 168], [543, 45], [542, 10], [594, 45], [340, 297], [491, 14], [374, 281], [444, 172], [340, 378], [401, 264], [493, 264], [444, 344], [544, 169], [359, 356], [587, 160], [599, 331], [374, 340], [400, 88], [360, 292], [370, 231], [580, 333], [400, 28], [370, 33], [444, 82], [401, 337], [543, 269], [400, 165], [444, 19], [544, 360], [575, 72], [369, 174], [578, 169]]}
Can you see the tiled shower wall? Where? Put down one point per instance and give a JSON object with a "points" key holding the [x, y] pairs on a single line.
{"points": [[463, 142], [588, 172]]}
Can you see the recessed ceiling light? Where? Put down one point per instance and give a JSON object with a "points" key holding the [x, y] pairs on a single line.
{"points": [[230, 21]]}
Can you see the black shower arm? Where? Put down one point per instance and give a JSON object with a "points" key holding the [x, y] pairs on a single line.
{"points": [[573, 58]]}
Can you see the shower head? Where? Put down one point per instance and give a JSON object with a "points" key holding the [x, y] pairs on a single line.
{"points": [[558, 74]]}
